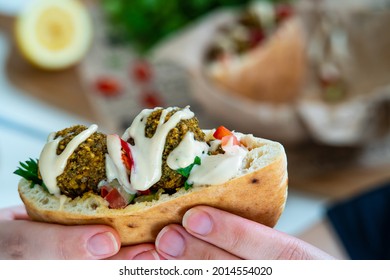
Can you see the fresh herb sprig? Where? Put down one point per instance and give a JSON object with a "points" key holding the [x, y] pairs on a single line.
{"points": [[29, 171], [185, 172]]}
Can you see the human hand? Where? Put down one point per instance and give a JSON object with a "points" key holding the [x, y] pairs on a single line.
{"points": [[21, 238], [209, 233]]}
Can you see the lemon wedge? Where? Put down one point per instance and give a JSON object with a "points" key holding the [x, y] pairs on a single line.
{"points": [[53, 34]]}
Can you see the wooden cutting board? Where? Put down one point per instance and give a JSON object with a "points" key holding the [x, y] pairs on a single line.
{"points": [[62, 89]]}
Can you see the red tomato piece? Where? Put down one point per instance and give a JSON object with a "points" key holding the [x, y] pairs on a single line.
{"points": [[151, 99], [105, 190], [226, 139], [221, 132], [115, 199], [256, 37], [108, 86], [224, 134], [145, 192], [142, 72], [127, 157], [283, 12]]}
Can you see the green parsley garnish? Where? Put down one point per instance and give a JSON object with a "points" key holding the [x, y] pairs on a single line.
{"points": [[187, 186], [185, 172], [29, 171]]}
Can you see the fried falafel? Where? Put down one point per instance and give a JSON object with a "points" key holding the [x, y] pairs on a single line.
{"points": [[171, 179], [86, 167]]}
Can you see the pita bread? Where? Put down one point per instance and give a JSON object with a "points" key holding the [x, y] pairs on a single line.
{"points": [[258, 193], [257, 74]]}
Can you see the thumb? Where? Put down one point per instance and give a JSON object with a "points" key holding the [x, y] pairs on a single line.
{"points": [[246, 239], [20, 239]]}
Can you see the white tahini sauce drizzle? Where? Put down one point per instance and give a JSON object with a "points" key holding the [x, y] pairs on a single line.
{"points": [[52, 165], [147, 155], [184, 154], [147, 152], [217, 169]]}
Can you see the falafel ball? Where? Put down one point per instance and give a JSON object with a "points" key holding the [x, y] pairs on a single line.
{"points": [[171, 179], [86, 166]]}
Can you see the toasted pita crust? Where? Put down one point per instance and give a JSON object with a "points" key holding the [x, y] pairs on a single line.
{"points": [[258, 194]]}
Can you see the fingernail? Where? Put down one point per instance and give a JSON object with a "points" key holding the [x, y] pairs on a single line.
{"points": [[147, 255], [170, 242], [198, 221], [102, 244]]}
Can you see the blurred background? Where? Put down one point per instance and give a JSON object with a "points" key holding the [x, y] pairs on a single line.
{"points": [[311, 74]]}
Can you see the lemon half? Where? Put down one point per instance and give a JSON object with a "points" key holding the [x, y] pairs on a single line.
{"points": [[53, 34]]}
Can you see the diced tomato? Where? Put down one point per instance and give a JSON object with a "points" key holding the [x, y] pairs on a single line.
{"points": [[127, 158], [224, 134], [105, 190], [283, 12], [221, 132], [126, 161], [114, 198], [256, 37], [226, 139], [145, 192], [151, 98], [142, 71], [108, 86]]}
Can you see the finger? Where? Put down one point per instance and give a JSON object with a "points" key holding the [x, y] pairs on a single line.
{"points": [[173, 242], [32, 240], [14, 213], [137, 252], [244, 238]]}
